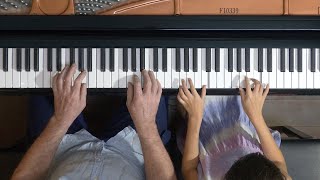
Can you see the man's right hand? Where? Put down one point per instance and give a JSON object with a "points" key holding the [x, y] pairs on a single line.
{"points": [[143, 104]]}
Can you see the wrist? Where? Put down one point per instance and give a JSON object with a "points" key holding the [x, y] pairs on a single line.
{"points": [[61, 120], [194, 122]]}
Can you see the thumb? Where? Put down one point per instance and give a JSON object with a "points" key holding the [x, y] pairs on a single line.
{"points": [[242, 93], [203, 92], [129, 93]]}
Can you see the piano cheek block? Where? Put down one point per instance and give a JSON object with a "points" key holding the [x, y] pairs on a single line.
{"points": [[231, 7], [52, 7], [299, 7], [145, 7]]}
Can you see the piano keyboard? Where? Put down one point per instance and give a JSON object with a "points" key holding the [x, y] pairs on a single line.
{"points": [[282, 68]]}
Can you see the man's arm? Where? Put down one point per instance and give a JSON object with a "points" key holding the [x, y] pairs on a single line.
{"points": [[193, 103], [143, 107], [252, 101], [69, 101]]}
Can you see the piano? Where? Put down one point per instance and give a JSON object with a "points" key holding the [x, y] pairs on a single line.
{"points": [[213, 50]]}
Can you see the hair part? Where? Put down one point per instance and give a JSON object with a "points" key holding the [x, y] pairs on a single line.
{"points": [[254, 166]]}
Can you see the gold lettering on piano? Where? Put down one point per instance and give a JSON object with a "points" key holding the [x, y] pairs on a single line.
{"points": [[229, 10]]}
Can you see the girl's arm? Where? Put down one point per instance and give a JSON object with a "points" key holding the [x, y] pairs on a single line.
{"points": [[193, 104], [252, 101]]}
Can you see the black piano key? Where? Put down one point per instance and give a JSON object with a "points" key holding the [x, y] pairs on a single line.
{"points": [[49, 65], [5, 59], [239, 60], [111, 63], [282, 60], [59, 63], [27, 60], [260, 60], [19, 59], [195, 59], [230, 59], [269, 60], [36, 59], [81, 59], [133, 59], [142, 59], [186, 60], [89, 59], [102, 59], [178, 63], [72, 55], [247, 60], [208, 59], [299, 60], [313, 60], [291, 60], [164, 60], [155, 60], [217, 60], [125, 59]]}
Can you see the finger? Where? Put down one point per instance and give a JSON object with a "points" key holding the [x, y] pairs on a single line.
{"points": [[69, 75], [63, 72], [129, 93], [266, 91], [154, 86], [136, 86], [261, 88], [192, 88], [185, 88], [146, 81], [182, 95], [83, 92], [54, 83], [78, 81], [159, 91], [203, 92], [248, 88], [180, 100], [257, 85]]}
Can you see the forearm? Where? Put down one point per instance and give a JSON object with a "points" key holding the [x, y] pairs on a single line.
{"points": [[190, 158], [158, 164], [269, 147], [36, 161]]}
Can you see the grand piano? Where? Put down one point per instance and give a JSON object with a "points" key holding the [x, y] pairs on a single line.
{"points": [[216, 43]]}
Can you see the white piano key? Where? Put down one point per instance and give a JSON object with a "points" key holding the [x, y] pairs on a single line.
{"points": [[273, 74], [182, 74], [235, 74], [31, 73], [63, 58], [204, 73], [295, 74], [227, 74], [24, 73], [2, 73], [54, 64], [9, 72], [130, 72], [243, 72], [46, 73], [316, 77], [308, 69], [85, 66], [254, 58], [265, 73], [287, 73], [175, 75], [15, 72], [190, 74], [197, 75], [250, 74], [107, 76], [122, 74], [167, 75], [212, 82], [280, 75], [220, 75], [138, 69], [303, 74], [99, 72], [149, 52], [40, 73], [115, 73], [160, 73], [67, 56], [93, 73], [146, 62], [76, 57]]}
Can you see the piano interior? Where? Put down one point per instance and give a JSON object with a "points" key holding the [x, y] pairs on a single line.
{"points": [[214, 42]]}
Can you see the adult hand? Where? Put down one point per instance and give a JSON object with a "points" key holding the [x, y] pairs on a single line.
{"points": [[69, 100], [253, 100], [192, 102], [143, 104]]}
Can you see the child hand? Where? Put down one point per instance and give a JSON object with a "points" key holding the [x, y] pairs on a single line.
{"points": [[253, 100], [192, 102]]}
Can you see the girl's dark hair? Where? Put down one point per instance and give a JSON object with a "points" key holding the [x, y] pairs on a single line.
{"points": [[254, 166]]}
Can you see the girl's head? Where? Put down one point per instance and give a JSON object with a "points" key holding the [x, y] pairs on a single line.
{"points": [[254, 166]]}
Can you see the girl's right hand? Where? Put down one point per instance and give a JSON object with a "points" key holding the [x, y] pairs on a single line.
{"points": [[192, 102]]}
